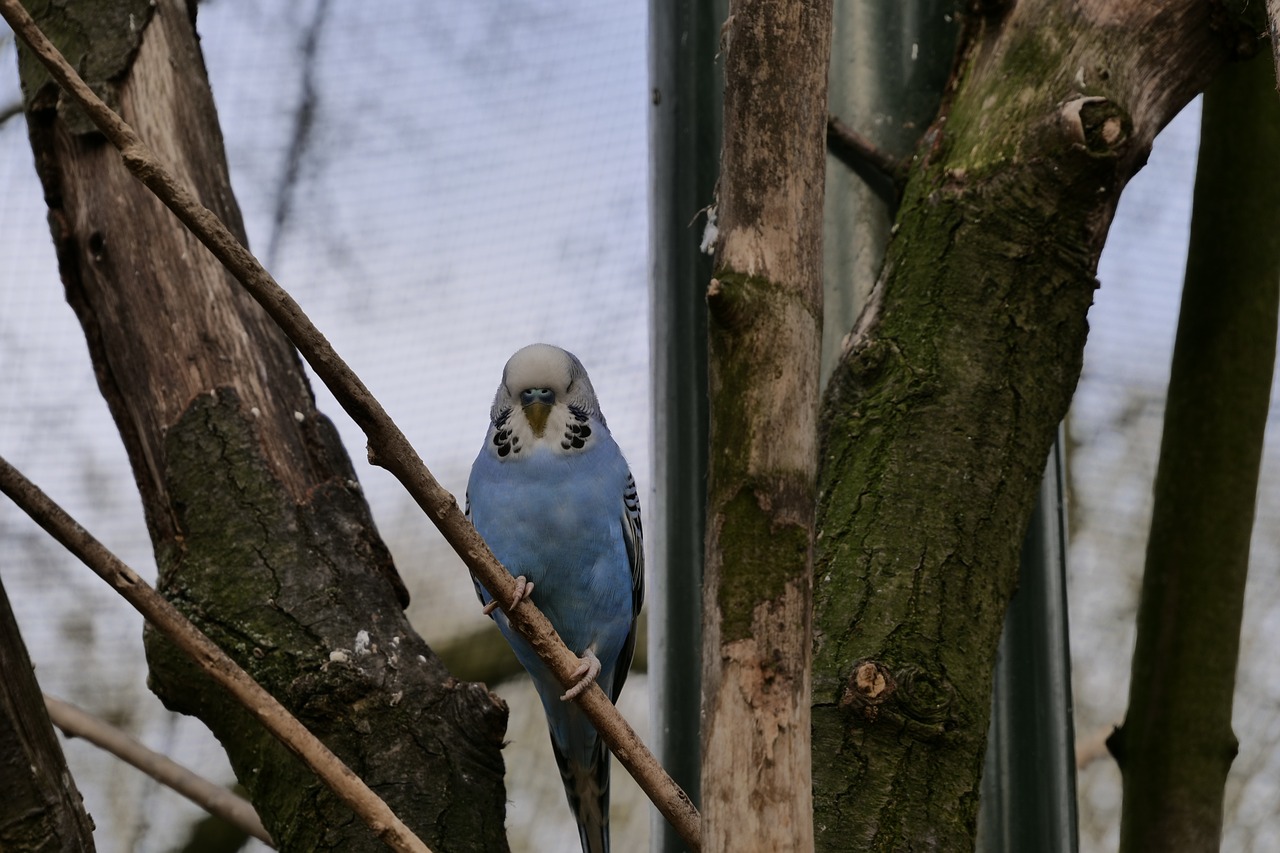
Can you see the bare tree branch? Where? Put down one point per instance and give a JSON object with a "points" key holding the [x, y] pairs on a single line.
{"points": [[1176, 745], [884, 175], [388, 446], [216, 800], [1093, 746], [8, 111], [223, 670], [484, 655], [300, 140]]}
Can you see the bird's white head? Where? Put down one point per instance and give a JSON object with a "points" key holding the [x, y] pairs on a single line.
{"points": [[545, 389]]}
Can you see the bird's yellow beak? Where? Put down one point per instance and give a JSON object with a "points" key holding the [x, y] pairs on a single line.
{"points": [[537, 413]]}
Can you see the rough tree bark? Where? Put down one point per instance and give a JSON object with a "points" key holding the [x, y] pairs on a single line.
{"points": [[41, 811], [938, 419], [1176, 746], [765, 307], [261, 534]]}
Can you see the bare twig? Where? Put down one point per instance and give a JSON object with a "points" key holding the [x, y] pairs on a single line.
{"points": [[1093, 746], [8, 111], [882, 173], [216, 800], [388, 445], [165, 618], [847, 144]]}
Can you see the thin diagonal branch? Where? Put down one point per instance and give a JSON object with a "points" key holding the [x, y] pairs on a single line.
{"points": [[8, 111], [850, 146], [216, 664], [216, 800], [882, 174], [388, 446]]}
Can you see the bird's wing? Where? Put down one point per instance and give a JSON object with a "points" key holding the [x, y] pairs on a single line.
{"points": [[633, 539]]}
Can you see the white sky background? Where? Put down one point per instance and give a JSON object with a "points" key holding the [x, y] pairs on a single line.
{"points": [[478, 181]]}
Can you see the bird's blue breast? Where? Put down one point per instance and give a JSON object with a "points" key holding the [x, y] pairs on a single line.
{"points": [[556, 518]]}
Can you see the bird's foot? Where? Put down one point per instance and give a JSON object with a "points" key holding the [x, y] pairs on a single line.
{"points": [[585, 674], [524, 589]]}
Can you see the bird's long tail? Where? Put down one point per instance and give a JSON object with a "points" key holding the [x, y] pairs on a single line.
{"points": [[587, 787]]}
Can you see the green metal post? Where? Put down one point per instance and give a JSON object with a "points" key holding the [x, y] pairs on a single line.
{"points": [[1029, 781], [685, 129]]}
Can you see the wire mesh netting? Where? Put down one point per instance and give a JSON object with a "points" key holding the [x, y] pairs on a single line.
{"points": [[438, 186]]}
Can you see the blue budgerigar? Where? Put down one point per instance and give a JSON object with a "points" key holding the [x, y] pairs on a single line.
{"points": [[553, 497]]}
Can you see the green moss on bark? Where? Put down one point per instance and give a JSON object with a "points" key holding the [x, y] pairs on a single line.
{"points": [[261, 534], [99, 39], [934, 434], [760, 560], [761, 515], [287, 589], [736, 303]]}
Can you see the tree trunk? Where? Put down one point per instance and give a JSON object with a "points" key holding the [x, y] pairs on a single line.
{"points": [[41, 811], [765, 306], [1176, 745], [939, 417], [261, 534]]}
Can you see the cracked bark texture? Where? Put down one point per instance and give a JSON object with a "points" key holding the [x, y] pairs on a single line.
{"points": [[939, 416], [262, 536], [765, 327]]}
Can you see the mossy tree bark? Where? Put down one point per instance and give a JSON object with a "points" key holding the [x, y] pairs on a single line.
{"points": [[1176, 745], [940, 414], [261, 534], [765, 309]]}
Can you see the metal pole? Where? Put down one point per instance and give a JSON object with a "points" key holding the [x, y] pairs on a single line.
{"points": [[685, 129], [1029, 781]]}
